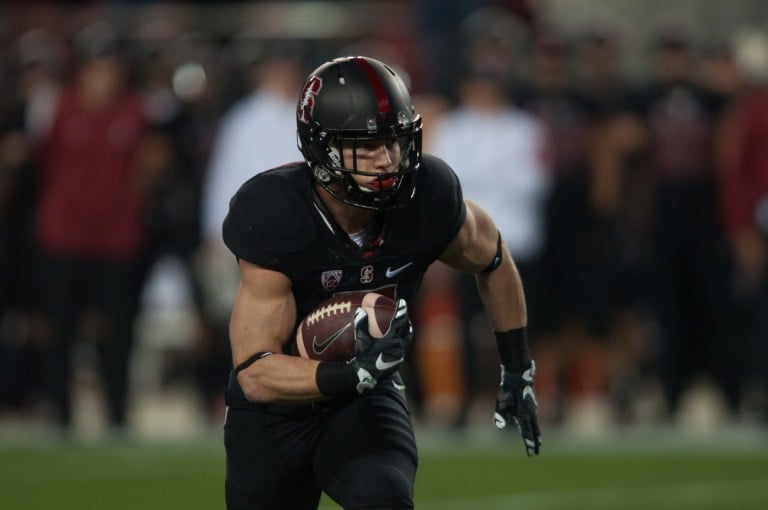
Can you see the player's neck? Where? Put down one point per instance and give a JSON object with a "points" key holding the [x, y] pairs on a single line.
{"points": [[351, 219]]}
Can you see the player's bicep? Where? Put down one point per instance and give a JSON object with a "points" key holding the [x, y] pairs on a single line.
{"points": [[475, 245], [264, 312]]}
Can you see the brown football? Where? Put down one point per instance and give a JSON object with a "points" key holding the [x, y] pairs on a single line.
{"points": [[328, 331]]}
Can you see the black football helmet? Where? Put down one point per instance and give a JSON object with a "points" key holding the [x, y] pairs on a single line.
{"points": [[355, 100]]}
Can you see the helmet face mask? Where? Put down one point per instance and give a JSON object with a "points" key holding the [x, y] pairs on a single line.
{"points": [[353, 103]]}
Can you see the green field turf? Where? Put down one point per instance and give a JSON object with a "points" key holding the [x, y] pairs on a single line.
{"points": [[625, 475]]}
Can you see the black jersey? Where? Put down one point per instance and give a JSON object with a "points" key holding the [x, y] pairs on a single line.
{"points": [[276, 220]]}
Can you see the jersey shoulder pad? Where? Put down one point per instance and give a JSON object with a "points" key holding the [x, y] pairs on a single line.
{"points": [[441, 192], [436, 213], [270, 216]]}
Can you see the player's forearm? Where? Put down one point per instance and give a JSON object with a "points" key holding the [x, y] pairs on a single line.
{"points": [[279, 378]]}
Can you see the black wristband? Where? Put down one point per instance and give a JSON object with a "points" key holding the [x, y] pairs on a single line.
{"points": [[336, 379], [513, 348]]}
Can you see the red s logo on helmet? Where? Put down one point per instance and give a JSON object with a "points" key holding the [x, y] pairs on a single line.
{"points": [[307, 99]]}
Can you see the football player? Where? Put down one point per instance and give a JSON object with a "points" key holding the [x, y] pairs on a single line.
{"points": [[365, 211]]}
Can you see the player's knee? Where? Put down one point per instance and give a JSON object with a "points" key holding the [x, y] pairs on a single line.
{"points": [[385, 488]]}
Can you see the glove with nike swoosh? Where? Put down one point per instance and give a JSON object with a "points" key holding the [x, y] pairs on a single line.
{"points": [[379, 358], [516, 399]]}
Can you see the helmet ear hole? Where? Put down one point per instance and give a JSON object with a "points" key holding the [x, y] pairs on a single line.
{"points": [[322, 175]]}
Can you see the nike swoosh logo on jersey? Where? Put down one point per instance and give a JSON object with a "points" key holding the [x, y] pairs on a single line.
{"points": [[394, 272], [320, 347], [386, 365]]}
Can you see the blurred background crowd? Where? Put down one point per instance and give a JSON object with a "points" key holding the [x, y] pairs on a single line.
{"points": [[621, 146]]}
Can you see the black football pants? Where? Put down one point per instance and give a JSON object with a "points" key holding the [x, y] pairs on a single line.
{"points": [[361, 453]]}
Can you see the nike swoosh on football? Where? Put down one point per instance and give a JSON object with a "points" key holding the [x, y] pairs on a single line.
{"points": [[320, 347], [394, 272], [386, 365]]}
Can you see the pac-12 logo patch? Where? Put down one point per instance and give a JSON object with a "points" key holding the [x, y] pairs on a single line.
{"points": [[331, 279], [307, 99]]}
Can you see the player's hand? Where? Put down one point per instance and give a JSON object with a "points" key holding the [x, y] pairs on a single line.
{"points": [[516, 399], [378, 358]]}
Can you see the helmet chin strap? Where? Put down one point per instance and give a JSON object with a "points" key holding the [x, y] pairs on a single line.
{"points": [[326, 179]]}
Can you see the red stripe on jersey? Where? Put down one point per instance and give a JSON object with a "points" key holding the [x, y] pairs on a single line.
{"points": [[382, 99]]}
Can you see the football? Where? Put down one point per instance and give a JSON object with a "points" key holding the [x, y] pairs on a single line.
{"points": [[328, 331]]}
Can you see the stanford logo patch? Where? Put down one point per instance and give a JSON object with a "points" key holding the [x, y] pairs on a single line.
{"points": [[330, 279], [366, 274], [307, 100]]}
